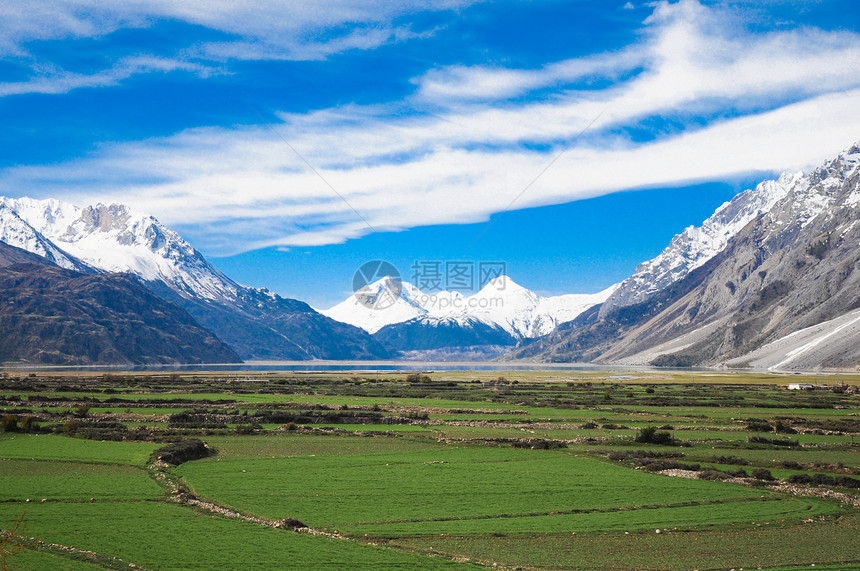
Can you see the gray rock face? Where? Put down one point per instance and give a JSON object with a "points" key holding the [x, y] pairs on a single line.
{"points": [[790, 268], [696, 245]]}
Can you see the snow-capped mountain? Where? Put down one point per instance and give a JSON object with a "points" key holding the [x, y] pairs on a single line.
{"points": [[16, 231], [523, 313], [501, 303], [111, 238], [781, 294], [388, 301], [696, 245]]}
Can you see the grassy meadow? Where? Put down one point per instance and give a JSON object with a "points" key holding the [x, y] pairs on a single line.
{"points": [[532, 470]]}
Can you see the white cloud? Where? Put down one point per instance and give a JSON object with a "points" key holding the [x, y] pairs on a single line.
{"points": [[52, 81], [781, 100], [259, 28]]}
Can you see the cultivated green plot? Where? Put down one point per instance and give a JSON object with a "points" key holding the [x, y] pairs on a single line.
{"points": [[53, 447], [441, 482], [635, 520], [165, 536], [35, 480], [48, 561], [742, 547], [291, 444]]}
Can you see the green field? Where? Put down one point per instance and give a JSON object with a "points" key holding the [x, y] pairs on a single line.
{"points": [[464, 470], [495, 486]]}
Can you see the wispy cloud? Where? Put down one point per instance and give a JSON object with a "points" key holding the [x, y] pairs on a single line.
{"points": [[253, 30], [467, 142], [259, 29], [50, 80]]}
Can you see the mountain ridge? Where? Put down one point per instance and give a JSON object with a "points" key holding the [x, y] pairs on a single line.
{"points": [[500, 303], [257, 323], [789, 269]]}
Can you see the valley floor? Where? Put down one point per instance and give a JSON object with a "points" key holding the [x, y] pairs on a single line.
{"points": [[533, 470]]}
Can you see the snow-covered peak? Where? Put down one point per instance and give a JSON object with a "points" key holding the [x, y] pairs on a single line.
{"points": [[114, 238], [16, 231], [696, 245], [500, 303], [378, 304], [810, 195], [522, 312], [42, 215]]}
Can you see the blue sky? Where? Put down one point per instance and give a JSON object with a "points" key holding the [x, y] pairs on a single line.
{"points": [[290, 142]]}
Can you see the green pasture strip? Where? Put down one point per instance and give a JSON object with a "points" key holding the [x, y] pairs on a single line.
{"points": [[54, 480], [436, 482], [742, 546], [42, 560], [56, 447], [771, 457], [293, 444], [166, 536], [675, 517]]}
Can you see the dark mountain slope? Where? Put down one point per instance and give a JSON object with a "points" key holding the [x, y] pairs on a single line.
{"points": [[426, 332], [49, 315]]}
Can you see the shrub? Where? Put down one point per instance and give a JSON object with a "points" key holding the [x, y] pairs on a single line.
{"points": [[660, 465], [763, 474], [649, 390], [773, 441], [784, 428], [650, 435], [713, 475], [540, 444], [731, 460], [759, 426], [183, 451], [825, 480], [639, 454], [29, 425], [9, 423]]}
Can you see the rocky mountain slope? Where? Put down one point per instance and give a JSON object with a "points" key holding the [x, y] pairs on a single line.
{"points": [[780, 294], [110, 238], [51, 315], [698, 244]]}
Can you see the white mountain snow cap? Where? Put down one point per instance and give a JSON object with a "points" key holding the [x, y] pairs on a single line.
{"points": [[501, 302], [113, 238]]}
